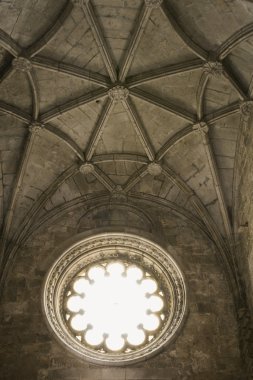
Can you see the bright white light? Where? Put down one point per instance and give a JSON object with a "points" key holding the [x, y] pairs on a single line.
{"points": [[115, 305]]}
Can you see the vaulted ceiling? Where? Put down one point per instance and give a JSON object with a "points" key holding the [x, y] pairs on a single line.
{"points": [[127, 97]]}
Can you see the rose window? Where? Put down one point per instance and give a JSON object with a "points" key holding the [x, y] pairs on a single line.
{"points": [[115, 306], [114, 298]]}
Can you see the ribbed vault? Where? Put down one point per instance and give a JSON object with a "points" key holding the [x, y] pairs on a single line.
{"points": [[135, 99]]}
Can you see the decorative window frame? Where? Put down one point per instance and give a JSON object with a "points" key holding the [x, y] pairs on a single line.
{"points": [[116, 246]]}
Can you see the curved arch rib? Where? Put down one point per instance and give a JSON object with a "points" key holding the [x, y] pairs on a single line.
{"points": [[139, 128], [196, 49], [232, 42], [97, 132], [15, 112], [172, 108], [15, 191], [163, 72], [130, 157], [135, 178], [235, 82], [72, 104], [211, 226], [200, 94], [71, 70], [6, 73], [9, 44], [134, 41], [222, 112], [37, 46], [103, 178], [30, 217], [173, 141], [35, 94], [65, 139], [99, 38]]}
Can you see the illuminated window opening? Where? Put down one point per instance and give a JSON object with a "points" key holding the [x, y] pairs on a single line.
{"points": [[114, 306]]}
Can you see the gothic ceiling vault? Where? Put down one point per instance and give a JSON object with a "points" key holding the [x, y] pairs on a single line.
{"points": [[130, 98]]}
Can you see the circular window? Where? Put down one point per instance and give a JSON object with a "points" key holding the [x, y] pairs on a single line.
{"points": [[114, 298]]}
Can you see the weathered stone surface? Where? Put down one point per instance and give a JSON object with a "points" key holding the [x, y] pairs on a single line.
{"points": [[61, 64], [207, 345]]}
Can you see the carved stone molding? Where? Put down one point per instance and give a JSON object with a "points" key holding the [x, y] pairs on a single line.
{"points": [[22, 64], [153, 3], [118, 93], [36, 127], [246, 108], [118, 194], [154, 169], [213, 68], [87, 168], [132, 249], [201, 126]]}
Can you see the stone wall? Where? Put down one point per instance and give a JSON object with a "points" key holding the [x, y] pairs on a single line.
{"points": [[206, 348], [244, 231]]}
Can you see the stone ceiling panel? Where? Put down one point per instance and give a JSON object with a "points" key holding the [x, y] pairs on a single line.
{"points": [[79, 123], [73, 188], [119, 135], [218, 93], [117, 20], [65, 88], [158, 186], [74, 43], [189, 160], [159, 46], [210, 23], [12, 139], [16, 91], [120, 171], [178, 89], [241, 61], [26, 21], [48, 158], [156, 119]]}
